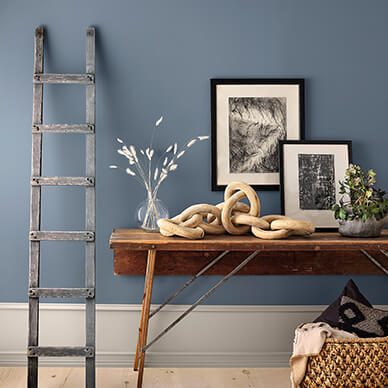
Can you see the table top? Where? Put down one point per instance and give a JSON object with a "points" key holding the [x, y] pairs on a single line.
{"points": [[137, 239]]}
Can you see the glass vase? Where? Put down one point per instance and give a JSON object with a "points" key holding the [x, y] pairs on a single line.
{"points": [[149, 212]]}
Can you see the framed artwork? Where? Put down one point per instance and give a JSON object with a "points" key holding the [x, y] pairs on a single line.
{"points": [[310, 174], [249, 117]]}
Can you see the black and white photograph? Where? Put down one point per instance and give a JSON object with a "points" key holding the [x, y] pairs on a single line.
{"points": [[256, 124], [316, 181], [310, 172], [249, 118]]}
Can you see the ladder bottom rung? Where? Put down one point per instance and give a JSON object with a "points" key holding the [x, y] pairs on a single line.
{"points": [[60, 351], [61, 292]]}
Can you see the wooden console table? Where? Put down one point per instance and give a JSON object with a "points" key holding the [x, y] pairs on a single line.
{"points": [[135, 252]]}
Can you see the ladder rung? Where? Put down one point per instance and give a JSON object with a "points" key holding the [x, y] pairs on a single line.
{"points": [[37, 235], [64, 79], [61, 292], [60, 351], [62, 181], [63, 128]]}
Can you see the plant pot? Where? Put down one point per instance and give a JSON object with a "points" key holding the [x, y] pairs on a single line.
{"points": [[358, 228]]}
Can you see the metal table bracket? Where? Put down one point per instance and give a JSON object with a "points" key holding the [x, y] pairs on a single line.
{"points": [[201, 299], [375, 261]]}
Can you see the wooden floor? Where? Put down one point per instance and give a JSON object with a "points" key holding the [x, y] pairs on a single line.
{"points": [[153, 378]]}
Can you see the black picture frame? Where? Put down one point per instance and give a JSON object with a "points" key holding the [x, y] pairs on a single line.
{"points": [[214, 83], [339, 175]]}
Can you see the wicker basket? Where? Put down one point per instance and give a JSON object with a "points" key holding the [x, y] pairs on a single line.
{"points": [[359, 362]]}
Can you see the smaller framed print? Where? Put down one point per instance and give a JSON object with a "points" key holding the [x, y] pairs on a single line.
{"points": [[309, 179], [249, 117]]}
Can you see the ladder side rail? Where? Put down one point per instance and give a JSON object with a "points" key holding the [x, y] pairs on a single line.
{"points": [[35, 209], [90, 213]]}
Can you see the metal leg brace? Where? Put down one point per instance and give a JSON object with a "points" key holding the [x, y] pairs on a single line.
{"points": [[375, 261], [201, 299], [190, 281]]}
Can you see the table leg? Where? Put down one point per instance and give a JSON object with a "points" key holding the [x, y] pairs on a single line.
{"points": [[139, 338], [143, 331]]}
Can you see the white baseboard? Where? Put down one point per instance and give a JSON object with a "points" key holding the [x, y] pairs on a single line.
{"points": [[212, 336], [160, 360]]}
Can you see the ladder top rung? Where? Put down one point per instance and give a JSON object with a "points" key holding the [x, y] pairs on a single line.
{"points": [[60, 351], [41, 78], [63, 128], [61, 292], [62, 181], [38, 235]]}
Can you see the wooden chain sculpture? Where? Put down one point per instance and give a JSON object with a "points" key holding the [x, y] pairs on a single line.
{"points": [[233, 217]]}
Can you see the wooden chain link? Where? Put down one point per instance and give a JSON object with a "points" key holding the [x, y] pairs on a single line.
{"points": [[233, 217]]}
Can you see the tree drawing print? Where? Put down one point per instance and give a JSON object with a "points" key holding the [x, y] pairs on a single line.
{"points": [[256, 124]]}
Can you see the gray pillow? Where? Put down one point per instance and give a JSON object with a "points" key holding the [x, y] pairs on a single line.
{"points": [[362, 320]]}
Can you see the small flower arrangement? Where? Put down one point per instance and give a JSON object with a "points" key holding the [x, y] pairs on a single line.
{"points": [[151, 171], [361, 200]]}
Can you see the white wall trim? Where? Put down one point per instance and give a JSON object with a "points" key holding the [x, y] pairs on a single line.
{"points": [[170, 308], [212, 336], [160, 360]]}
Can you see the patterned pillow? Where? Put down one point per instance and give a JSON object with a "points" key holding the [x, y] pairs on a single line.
{"points": [[362, 320], [331, 314]]}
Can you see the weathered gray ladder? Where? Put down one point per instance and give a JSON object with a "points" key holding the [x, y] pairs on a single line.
{"points": [[35, 351]]}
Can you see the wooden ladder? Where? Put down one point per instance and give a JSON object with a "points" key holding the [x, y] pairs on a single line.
{"points": [[36, 235]]}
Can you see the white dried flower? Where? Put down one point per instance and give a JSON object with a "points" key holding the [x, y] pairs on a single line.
{"points": [[149, 153], [133, 152], [161, 169], [191, 142], [130, 172], [127, 151]]}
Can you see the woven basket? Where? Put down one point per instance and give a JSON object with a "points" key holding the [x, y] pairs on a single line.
{"points": [[358, 362]]}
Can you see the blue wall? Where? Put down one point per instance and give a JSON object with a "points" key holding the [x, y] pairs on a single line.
{"points": [[156, 57]]}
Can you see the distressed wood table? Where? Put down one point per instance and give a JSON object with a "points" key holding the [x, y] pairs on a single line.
{"points": [[138, 252]]}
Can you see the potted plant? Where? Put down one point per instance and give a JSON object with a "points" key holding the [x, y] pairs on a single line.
{"points": [[362, 209]]}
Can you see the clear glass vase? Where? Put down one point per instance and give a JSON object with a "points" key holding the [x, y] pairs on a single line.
{"points": [[149, 212]]}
